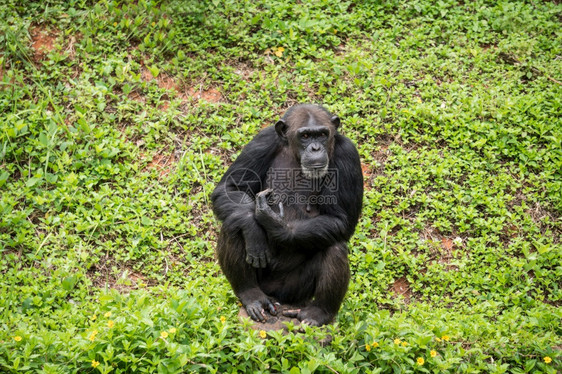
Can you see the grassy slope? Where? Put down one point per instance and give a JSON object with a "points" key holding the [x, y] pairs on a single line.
{"points": [[117, 120]]}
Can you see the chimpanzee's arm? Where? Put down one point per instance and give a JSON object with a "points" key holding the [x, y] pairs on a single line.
{"points": [[236, 191], [233, 199], [338, 221]]}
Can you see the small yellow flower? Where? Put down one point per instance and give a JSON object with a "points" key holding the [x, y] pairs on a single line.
{"points": [[445, 338], [437, 339], [279, 51], [107, 315], [163, 334], [404, 344], [94, 317], [93, 335], [172, 330], [223, 319], [110, 324], [114, 23], [547, 359], [95, 364], [153, 24], [420, 361], [375, 345], [397, 341], [368, 347], [263, 334], [17, 338], [433, 353]]}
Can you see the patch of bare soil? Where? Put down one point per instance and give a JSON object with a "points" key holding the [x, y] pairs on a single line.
{"points": [[42, 41], [134, 95], [163, 80], [244, 70], [212, 95], [103, 276], [163, 163], [367, 175], [447, 245], [401, 286], [167, 82], [146, 75]]}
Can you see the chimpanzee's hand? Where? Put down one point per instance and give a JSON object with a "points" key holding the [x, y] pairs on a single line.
{"points": [[264, 214], [258, 254]]}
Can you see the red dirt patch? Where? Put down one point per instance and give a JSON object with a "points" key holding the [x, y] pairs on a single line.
{"points": [[367, 172], [129, 280], [146, 75], [166, 82], [448, 244], [212, 95], [401, 286], [42, 41], [164, 164], [134, 95]]}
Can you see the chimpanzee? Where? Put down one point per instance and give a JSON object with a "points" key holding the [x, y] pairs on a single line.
{"points": [[288, 205]]}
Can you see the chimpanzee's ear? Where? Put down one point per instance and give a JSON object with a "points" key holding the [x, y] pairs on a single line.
{"points": [[281, 129], [336, 121]]}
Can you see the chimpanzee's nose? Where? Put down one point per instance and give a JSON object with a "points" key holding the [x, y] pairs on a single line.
{"points": [[315, 147]]}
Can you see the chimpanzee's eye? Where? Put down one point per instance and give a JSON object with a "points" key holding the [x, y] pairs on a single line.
{"points": [[305, 136]]}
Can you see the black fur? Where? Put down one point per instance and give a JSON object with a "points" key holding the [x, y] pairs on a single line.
{"points": [[294, 252]]}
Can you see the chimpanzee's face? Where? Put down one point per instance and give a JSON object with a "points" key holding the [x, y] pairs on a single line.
{"points": [[313, 144], [310, 137]]}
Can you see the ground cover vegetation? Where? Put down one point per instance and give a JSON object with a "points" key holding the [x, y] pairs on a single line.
{"points": [[117, 118]]}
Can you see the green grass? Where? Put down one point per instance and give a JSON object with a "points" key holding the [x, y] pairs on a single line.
{"points": [[117, 119]]}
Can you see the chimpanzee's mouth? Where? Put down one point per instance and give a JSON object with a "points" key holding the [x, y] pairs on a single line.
{"points": [[315, 165], [314, 170]]}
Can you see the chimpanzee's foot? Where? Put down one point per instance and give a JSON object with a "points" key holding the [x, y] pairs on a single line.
{"points": [[257, 308], [311, 316]]}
